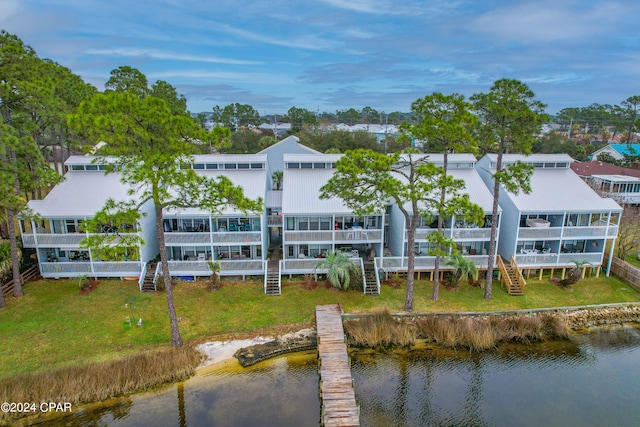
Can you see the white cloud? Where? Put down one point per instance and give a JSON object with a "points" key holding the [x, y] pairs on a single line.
{"points": [[168, 56]]}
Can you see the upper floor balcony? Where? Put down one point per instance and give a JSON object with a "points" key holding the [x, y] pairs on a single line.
{"points": [[57, 240], [352, 235]]}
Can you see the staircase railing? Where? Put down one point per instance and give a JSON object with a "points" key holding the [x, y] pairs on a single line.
{"points": [[504, 273], [156, 274], [514, 265], [375, 270], [143, 274]]}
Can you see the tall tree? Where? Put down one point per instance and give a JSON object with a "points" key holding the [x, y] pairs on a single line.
{"points": [[298, 117], [445, 121], [150, 146], [631, 106], [367, 181], [176, 102], [510, 117], [128, 79], [26, 91], [235, 116]]}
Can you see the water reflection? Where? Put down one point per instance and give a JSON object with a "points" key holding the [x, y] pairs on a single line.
{"points": [[587, 381], [590, 380]]}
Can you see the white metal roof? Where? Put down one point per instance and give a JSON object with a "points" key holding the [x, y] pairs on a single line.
{"points": [[531, 158], [327, 158], [273, 199], [561, 190], [80, 195], [253, 183], [301, 193], [617, 178], [230, 158]]}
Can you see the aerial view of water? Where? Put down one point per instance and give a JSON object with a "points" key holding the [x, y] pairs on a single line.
{"points": [[591, 380]]}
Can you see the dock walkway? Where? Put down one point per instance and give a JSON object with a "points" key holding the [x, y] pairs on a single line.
{"points": [[336, 386]]}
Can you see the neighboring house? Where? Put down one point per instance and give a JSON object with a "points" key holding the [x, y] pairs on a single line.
{"points": [[56, 234], [618, 151], [608, 180], [560, 221], [472, 240], [237, 240]]}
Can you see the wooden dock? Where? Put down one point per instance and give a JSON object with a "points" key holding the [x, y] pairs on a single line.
{"points": [[336, 386]]}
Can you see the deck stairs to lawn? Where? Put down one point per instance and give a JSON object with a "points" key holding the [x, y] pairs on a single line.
{"points": [[511, 277], [372, 285], [273, 276], [149, 283]]}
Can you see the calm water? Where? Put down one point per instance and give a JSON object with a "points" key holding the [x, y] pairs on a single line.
{"points": [[594, 380]]}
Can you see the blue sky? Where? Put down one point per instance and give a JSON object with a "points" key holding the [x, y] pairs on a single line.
{"points": [[335, 54]]}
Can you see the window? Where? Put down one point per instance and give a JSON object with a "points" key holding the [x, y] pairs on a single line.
{"points": [[230, 166], [256, 166], [77, 167], [318, 165], [306, 165], [198, 166], [71, 226], [212, 166], [243, 165], [293, 165]]}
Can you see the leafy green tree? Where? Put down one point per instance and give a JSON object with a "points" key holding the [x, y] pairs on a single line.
{"points": [[370, 115], [27, 92], [128, 79], [242, 142], [367, 181], [236, 116], [298, 117], [149, 146], [201, 119], [339, 268], [350, 116], [631, 106], [163, 90], [445, 122], [510, 116], [462, 267], [267, 141]]}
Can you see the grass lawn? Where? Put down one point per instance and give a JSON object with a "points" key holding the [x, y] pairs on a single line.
{"points": [[53, 325]]}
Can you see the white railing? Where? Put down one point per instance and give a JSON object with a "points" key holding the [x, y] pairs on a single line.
{"points": [[65, 269], [351, 235], [375, 269], [612, 231], [422, 233], [194, 238], [539, 232], [536, 259], [52, 240], [227, 267], [594, 258], [142, 274], [119, 268], [425, 262], [471, 233], [584, 232], [237, 237], [299, 266]]}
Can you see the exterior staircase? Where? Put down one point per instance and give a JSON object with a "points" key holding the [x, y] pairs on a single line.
{"points": [[511, 277], [272, 280], [149, 283], [371, 286]]}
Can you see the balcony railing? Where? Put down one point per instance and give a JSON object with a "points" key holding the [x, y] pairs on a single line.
{"points": [[237, 237], [53, 240], [612, 231], [194, 238], [425, 262], [351, 235], [584, 232], [300, 266], [100, 269], [539, 232], [471, 233], [536, 259], [594, 258], [227, 267]]}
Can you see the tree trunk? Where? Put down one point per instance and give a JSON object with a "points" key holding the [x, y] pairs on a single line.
{"points": [[411, 255], [494, 227], [436, 264], [176, 339], [13, 241]]}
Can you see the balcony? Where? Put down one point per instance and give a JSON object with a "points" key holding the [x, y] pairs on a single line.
{"points": [[237, 237], [536, 259], [539, 233], [594, 258], [227, 267], [55, 240], [586, 232], [426, 262], [194, 238], [471, 233], [100, 269], [352, 235], [274, 221]]}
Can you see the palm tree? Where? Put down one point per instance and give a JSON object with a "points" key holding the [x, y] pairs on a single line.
{"points": [[463, 267], [277, 179], [339, 268], [574, 275]]}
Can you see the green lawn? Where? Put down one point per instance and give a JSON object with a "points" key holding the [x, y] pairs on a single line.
{"points": [[53, 325]]}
